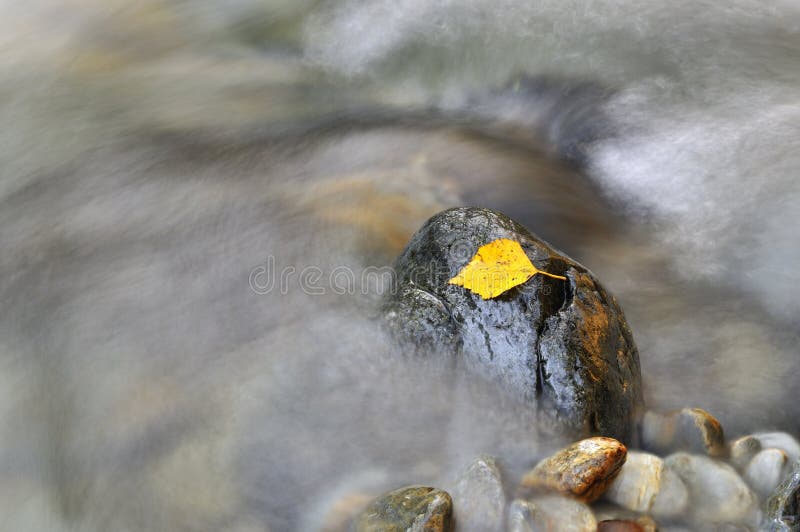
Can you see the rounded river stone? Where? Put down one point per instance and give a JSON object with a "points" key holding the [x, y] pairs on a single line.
{"points": [[562, 346]]}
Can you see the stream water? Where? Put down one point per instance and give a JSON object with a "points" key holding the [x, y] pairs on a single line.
{"points": [[159, 156]]}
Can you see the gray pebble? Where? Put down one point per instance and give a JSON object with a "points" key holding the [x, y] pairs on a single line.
{"points": [[645, 484], [742, 450], [478, 498], [766, 470], [780, 440], [550, 513], [689, 429], [717, 492]]}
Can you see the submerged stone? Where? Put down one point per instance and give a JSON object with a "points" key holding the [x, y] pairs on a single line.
{"points": [[689, 429], [410, 509], [561, 345], [341, 512], [717, 492], [766, 470], [742, 450], [550, 514], [478, 497], [645, 484], [780, 440], [605, 512], [619, 525]]}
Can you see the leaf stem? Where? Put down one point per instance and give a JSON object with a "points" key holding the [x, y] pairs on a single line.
{"points": [[553, 275]]}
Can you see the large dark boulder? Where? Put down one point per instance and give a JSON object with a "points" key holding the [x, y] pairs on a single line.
{"points": [[562, 346]]}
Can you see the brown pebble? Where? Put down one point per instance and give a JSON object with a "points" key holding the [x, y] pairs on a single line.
{"points": [[689, 429], [618, 525], [703, 431], [742, 450], [583, 470], [606, 512]]}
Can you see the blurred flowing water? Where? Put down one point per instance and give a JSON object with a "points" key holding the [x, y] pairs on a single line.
{"points": [[155, 154]]}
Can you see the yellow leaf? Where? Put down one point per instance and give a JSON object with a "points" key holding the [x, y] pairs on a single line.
{"points": [[496, 267]]}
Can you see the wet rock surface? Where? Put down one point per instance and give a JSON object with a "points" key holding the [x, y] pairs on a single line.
{"points": [[562, 346], [550, 514], [583, 470], [689, 429], [478, 497], [410, 509], [783, 506]]}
